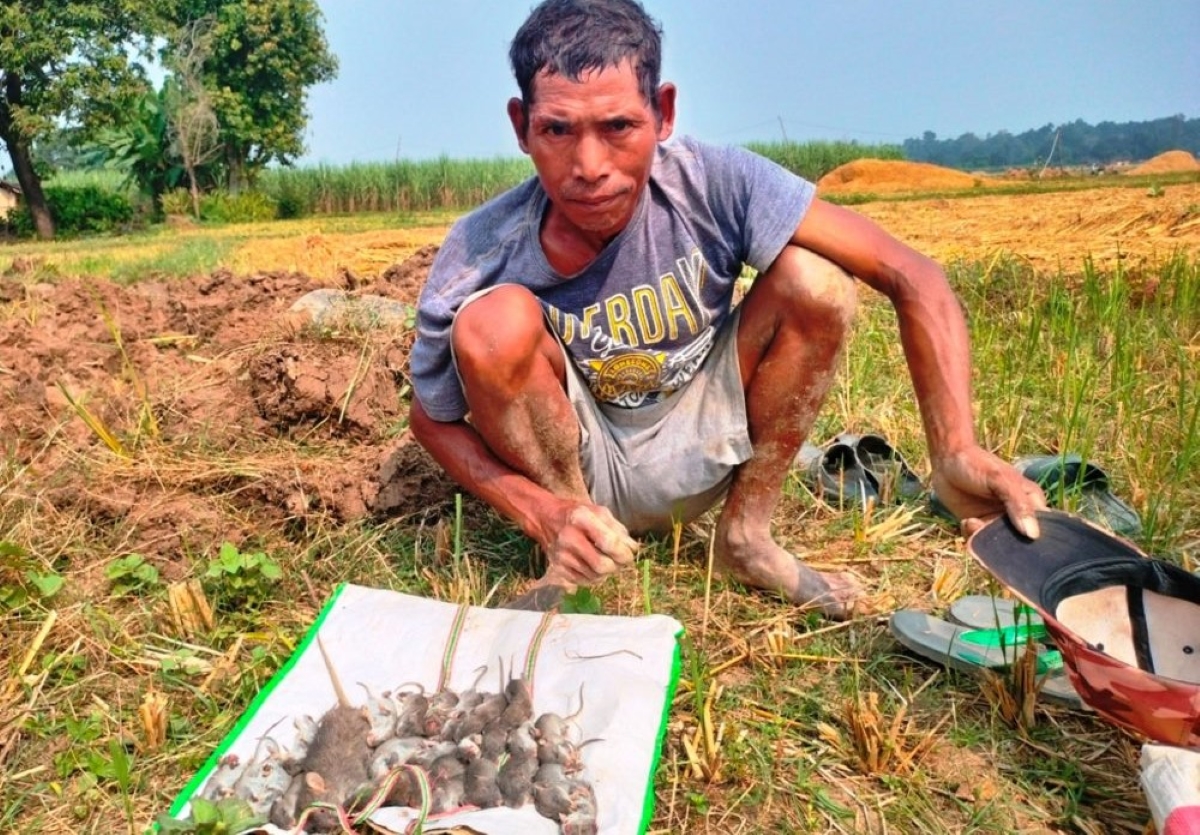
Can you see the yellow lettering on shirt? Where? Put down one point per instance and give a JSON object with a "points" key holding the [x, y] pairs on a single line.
{"points": [[619, 326], [648, 313], [677, 308]]}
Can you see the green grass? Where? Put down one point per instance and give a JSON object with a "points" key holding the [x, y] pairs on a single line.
{"points": [[813, 160], [401, 186]]}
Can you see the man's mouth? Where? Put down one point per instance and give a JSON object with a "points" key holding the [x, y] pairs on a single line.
{"points": [[595, 201]]}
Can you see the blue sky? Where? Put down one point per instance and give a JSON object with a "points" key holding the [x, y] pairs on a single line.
{"points": [[421, 78]]}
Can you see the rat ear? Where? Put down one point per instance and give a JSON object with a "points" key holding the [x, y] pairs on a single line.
{"points": [[315, 782]]}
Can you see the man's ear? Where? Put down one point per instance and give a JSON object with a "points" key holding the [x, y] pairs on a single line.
{"points": [[516, 115], [666, 111]]}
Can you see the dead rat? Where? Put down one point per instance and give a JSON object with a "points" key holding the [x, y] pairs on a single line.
{"points": [[436, 750], [480, 786], [446, 796], [224, 778], [490, 710], [581, 820], [410, 720], [520, 703], [552, 792], [446, 782], [471, 748], [265, 778], [515, 778], [405, 790], [493, 741], [470, 698], [562, 752], [335, 769], [553, 734], [306, 729], [283, 810], [380, 713], [395, 752], [445, 767], [441, 708], [486, 712], [579, 823]]}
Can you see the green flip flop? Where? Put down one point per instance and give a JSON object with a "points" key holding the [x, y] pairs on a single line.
{"points": [[970, 650], [1074, 484], [982, 611]]}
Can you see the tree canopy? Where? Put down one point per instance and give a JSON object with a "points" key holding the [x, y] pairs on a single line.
{"points": [[262, 59], [1072, 143], [67, 61]]}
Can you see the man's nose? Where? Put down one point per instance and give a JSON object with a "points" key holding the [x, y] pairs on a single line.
{"points": [[591, 158]]}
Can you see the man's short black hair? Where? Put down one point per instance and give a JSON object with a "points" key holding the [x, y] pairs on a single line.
{"points": [[571, 37]]}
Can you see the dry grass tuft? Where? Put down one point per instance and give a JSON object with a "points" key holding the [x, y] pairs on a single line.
{"points": [[877, 744], [1013, 693]]}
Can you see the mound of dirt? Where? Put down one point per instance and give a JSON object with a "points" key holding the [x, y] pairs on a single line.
{"points": [[1170, 162], [879, 176]]}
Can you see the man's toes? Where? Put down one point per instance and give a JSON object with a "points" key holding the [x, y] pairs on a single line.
{"points": [[834, 594]]}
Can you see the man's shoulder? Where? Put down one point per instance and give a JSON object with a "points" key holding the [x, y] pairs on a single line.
{"points": [[484, 240], [688, 160], [502, 213]]}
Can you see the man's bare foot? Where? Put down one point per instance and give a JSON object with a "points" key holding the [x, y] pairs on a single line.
{"points": [[765, 565], [835, 593]]}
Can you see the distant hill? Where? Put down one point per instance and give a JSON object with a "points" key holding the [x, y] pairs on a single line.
{"points": [[1073, 143]]}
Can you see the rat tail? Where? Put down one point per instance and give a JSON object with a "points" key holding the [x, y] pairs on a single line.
{"points": [[342, 698]]}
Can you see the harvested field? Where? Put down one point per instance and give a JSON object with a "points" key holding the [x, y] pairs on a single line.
{"points": [[1052, 231], [227, 419]]}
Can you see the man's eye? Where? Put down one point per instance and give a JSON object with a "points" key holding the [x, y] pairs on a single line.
{"points": [[619, 125], [557, 130]]}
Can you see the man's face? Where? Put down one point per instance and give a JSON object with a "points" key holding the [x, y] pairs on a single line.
{"points": [[592, 143]]}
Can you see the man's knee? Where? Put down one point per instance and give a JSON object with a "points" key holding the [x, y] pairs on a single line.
{"points": [[503, 324], [814, 287]]}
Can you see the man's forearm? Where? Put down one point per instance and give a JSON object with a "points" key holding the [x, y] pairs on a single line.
{"points": [[933, 332]]}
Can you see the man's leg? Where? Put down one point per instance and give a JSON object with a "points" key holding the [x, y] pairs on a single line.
{"points": [[794, 322], [514, 379]]}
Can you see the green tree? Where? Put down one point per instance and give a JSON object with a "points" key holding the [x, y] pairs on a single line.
{"points": [[262, 59], [139, 146], [66, 62]]}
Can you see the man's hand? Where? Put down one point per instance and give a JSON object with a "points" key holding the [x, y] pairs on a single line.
{"points": [[584, 544], [977, 486]]}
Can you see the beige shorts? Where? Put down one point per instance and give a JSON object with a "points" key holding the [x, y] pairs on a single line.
{"points": [[670, 461], [673, 460]]}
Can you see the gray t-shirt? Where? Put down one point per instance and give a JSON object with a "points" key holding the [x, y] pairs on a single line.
{"points": [[639, 320]]}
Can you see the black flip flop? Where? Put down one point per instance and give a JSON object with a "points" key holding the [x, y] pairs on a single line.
{"points": [[1074, 484], [835, 474], [895, 480]]}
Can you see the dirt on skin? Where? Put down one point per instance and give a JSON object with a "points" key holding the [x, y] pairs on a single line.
{"points": [[261, 420]]}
